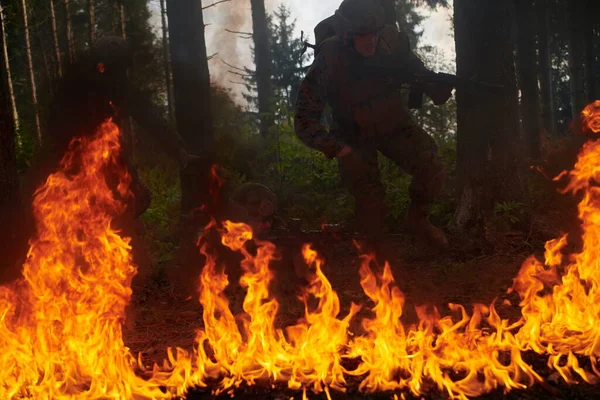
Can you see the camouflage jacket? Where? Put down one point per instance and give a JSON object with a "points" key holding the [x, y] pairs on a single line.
{"points": [[360, 103]]}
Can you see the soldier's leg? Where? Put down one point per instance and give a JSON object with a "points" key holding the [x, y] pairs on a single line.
{"points": [[360, 175], [417, 154]]}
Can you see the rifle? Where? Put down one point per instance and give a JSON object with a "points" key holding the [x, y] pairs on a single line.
{"points": [[419, 81]]}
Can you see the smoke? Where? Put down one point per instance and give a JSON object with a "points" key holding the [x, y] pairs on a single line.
{"points": [[227, 47], [230, 48]]}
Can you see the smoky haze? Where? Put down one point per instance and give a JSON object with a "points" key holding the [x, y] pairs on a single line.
{"points": [[236, 49]]}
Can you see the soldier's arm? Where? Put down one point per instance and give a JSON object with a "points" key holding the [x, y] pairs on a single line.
{"points": [[147, 115], [413, 62], [439, 93], [312, 98]]}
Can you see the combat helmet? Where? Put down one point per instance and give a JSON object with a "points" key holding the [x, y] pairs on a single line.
{"points": [[360, 16], [112, 51]]}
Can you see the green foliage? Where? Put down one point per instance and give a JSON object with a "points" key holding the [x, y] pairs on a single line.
{"points": [[307, 184], [508, 212], [161, 176]]}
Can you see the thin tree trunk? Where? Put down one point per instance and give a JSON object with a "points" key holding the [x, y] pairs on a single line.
{"points": [[33, 87], [91, 22], [122, 20], [69, 33], [47, 69], [55, 40], [127, 124], [527, 68], [262, 58], [545, 66], [589, 36], [487, 140], [10, 246], [576, 69], [11, 92], [191, 83], [165, 39]]}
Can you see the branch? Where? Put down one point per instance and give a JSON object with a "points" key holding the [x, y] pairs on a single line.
{"points": [[237, 83], [215, 3], [233, 66], [244, 35], [211, 56], [242, 75]]}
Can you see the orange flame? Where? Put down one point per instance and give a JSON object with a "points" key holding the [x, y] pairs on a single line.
{"points": [[60, 326], [590, 117]]}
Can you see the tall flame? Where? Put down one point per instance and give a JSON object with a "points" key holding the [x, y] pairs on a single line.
{"points": [[60, 327]]}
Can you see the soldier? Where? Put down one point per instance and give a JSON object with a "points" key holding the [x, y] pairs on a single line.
{"points": [[369, 116], [96, 88]]}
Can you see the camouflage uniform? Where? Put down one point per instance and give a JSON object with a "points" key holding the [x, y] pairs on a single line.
{"points": [[369, 116]]}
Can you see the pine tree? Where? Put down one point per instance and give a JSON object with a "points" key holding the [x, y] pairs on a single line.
{"points": [[286, 53]]}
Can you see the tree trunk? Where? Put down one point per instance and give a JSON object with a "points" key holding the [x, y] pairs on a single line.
{"points": [[487, 121], [262, 59], [545, 66], [69, 33], [47, 68], [589, 37], [33, 87], [57, 55], [122, 20], [165, 40], [527, 68], [9, 179], [11, 92], [191, 83], [575, 43], [91, 22]]}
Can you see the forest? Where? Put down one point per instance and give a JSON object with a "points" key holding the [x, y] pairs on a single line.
{"points": [[183, 301]]}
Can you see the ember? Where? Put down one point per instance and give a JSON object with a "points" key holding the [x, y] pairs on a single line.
{"points": [[61, 337]]}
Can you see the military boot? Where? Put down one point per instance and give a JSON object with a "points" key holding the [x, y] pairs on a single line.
{"points": [[417, 223]]}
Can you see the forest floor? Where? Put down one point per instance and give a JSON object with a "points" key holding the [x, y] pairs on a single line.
{"points": [[167, 311]]}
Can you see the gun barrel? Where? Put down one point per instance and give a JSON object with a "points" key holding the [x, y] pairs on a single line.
{"points": [[456, 81]]}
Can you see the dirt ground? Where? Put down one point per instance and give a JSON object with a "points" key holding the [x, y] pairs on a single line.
{"points": [[167, 312]]}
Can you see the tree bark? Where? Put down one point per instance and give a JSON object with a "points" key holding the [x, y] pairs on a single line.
{"points": [[32, 84], [165, 40], [576, 62], [262, 59], [9, 83], [9, 179], [91, 22], [527, 69], [122, 20], [47, 68], [191, 83], [57, 55], [545, 66], [589, 37], [69, 33], [487, 121]]}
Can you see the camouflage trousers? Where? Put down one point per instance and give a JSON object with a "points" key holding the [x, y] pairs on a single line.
{"points": [[412, 149]]}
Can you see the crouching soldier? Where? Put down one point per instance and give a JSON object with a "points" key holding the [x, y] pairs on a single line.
{"points": [[94, 89], [369, 116]]}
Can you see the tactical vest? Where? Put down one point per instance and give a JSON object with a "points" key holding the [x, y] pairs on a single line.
{"points": [[361, 103]]}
